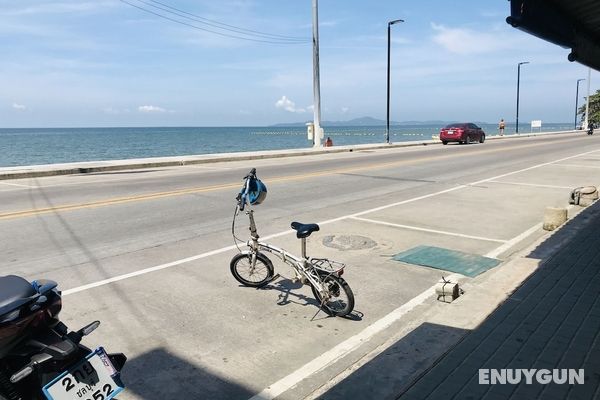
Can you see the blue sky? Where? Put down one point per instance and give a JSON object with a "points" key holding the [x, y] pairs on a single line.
{"points": [[107, 63]]}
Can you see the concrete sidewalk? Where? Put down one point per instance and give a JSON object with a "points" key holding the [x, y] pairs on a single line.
{"points": [[551, 322], [35, 171]]}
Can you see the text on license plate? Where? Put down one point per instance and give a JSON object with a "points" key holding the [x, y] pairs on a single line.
{"points": [[450, 132], [89, 380]]}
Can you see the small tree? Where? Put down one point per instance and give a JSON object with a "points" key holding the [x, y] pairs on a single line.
{"points": [[594, 117]]}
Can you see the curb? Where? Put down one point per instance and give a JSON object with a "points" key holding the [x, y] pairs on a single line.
{"points": [[87, 167]]}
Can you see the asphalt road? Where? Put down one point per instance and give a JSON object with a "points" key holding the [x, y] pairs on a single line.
{"points": [[147, 251]]}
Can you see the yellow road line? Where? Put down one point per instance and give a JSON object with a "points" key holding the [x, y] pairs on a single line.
{"points": [[121, 200], [154, 196]]}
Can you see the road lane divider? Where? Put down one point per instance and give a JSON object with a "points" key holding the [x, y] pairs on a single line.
{"points": [[118, 200], [341, 218], [179, 192]]}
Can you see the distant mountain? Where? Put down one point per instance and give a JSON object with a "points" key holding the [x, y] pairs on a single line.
{"points": [[364, 121]]}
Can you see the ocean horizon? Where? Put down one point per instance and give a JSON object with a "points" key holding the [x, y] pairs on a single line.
{"points": [[38, 146]]}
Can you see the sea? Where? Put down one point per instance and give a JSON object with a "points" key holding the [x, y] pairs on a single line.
{"points": [[37, 146]]}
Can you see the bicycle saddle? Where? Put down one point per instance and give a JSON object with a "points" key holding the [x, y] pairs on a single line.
{"points": [[304, 230]]}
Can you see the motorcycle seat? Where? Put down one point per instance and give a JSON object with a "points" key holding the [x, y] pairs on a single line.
{"points": [[304, 230], [14, 292]]}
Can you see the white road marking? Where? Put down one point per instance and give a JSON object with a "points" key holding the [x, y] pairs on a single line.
{"points": [[415, 228], [532, 185], [17, 184], [145, 271], [578, 166], [346, 346], [228, 248], [496, 252], [355, 341]]}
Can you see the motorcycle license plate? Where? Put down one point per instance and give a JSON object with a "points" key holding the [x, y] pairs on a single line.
{"points": [[91, 379]]}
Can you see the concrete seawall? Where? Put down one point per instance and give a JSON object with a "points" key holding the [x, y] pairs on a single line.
{"points": [[34, 171]]}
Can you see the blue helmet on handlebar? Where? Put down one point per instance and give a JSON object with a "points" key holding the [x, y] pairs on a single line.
{"points": [[253, 192], [257, 191]]}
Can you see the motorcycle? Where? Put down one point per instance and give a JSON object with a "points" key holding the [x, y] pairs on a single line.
{"points": [[40, 358], [590, 130]]}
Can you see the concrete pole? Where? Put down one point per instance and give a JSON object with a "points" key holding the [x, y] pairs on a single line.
{"points": [[316, 79]]}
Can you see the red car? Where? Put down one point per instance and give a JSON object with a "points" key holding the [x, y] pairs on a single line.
{"points": [[462, 133]]}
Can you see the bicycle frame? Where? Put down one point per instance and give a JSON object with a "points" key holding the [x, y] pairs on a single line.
{"points": [[302, 266], [324, 276]]}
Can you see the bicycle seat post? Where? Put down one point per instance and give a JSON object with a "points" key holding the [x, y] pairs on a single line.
{"points": [[303, 247]]}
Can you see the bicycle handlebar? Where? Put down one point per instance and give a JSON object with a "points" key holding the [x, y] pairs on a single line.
{"points": [[242, 195], [251, 174]]}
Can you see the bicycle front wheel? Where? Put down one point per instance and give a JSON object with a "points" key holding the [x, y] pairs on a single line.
{"points": [[339, 299], [256, 275]]}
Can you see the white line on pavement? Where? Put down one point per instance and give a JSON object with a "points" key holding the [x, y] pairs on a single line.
{"points": [[228, 248], [146, 270], [578, 166], [17, 184], [355, 341], [496, 252], [345, 347], [415, 228], [532, 185]]}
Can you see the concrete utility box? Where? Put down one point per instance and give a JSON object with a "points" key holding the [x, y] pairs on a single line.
{"points": [[447, 291], [583, 196], [554, 217]]}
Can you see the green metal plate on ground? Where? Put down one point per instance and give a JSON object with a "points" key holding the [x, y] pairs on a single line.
{"points": [[448, 260]]}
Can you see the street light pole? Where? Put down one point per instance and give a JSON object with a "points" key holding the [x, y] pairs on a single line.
{"points": [[316, 78], [518, 82], [576, 100], [587, 100], [389, 30]]}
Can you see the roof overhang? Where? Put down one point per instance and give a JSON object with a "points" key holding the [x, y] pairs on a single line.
{"points": [[572, 24]]}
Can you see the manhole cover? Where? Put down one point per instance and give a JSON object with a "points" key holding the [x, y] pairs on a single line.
{"points": [[348, 242]]}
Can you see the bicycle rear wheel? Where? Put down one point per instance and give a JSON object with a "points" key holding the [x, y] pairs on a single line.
{"points": [[255, 276], [339, 300]]}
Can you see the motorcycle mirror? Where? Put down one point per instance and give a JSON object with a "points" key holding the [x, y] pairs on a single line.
{"points": [[86, 330], [23, 373]]}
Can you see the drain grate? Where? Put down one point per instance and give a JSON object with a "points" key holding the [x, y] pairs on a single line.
{"points": [[449, 260]]}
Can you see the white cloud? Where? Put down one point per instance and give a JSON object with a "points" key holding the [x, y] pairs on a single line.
{"points": [[288, 105], [345, 110], [466, 41], [151, 109], [18, 106]]}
